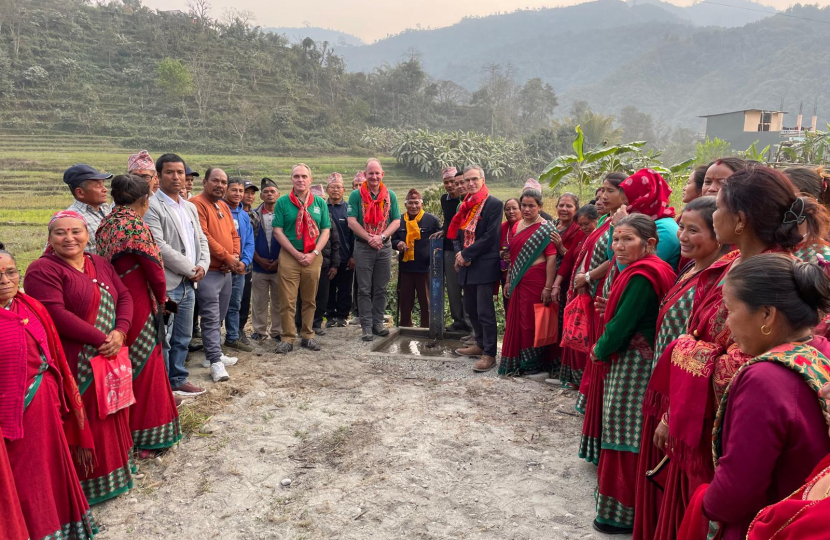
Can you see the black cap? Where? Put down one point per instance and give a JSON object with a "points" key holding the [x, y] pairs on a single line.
{"points": [[190, 172], [249, 184], [267, 182], [459, 172], [76, 175]]}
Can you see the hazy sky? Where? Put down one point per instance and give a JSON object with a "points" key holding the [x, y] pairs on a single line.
{"points": [[374, 19]]}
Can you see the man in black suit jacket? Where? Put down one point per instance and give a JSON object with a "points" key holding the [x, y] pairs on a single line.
{"points": [[478, 272]]}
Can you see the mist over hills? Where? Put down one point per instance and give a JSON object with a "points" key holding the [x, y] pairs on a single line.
{"points": [[334, 37], [666, 60]]}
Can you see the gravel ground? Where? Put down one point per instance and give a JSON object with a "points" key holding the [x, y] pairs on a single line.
{"points": [[350, 444]]}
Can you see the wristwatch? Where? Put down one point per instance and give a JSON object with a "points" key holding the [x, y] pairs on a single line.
{"points": [[316, 253], [383, 237], [587, 278]]}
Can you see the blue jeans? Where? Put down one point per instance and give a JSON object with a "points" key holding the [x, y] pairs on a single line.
{"points": [[179, 333], [232, 318]]}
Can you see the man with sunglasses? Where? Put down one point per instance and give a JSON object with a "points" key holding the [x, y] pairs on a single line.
{"points": [[214, 292]]}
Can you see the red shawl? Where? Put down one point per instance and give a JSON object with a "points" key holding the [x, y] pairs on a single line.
{"points": [[75, 425], [305, 227], [795, 518], [660, 275], [375, 211], [648, 193], [468, 215]]}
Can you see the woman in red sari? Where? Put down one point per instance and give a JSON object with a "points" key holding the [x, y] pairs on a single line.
{"points": [[529, 282], [627, 348], [573, 362], [803, 515], [590, 279], [770, 430], [698, 245], [565, 237], [92, 311], [696, 369], [125, 240], [43, 421], [512, 215]]}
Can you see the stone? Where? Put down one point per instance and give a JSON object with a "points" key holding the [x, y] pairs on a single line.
{"points": [[285, 482]]}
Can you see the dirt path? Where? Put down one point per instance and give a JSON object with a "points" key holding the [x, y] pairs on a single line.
{"points": [[374, 447]]}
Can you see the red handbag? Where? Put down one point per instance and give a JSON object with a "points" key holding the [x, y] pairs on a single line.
{"points": [[576, 325], [113, 382], [547, 324]]}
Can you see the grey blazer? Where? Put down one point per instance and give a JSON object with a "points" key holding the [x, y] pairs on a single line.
{"points": [[167, 230]]}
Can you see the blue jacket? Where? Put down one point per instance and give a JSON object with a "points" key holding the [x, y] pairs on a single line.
{"points": [[246, 234], [339, 219], [261, 242]]}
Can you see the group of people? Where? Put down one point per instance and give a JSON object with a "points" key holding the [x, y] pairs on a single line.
{"points": [[685, 336]]}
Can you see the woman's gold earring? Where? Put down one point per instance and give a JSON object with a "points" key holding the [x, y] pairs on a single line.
{"points": [[768, 330], [739, 231]]}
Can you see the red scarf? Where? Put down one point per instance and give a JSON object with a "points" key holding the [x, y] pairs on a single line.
{"points": [[75, 425], [468, 215], [660, 275], [375, 211], [648, 193], [587, 250], [305, 227]]}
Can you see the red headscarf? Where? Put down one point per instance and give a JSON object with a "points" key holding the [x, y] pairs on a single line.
{"points": [[648, 193]]}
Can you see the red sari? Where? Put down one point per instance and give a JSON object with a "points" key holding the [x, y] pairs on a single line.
{"points": [[575, 370], [85, 307], [14, 524], [128, 244], [48, 491], [694, 371], [518, 355], [797, 517], [572, 238]]}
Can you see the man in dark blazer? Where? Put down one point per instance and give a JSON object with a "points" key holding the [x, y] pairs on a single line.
{"points": [[477, 264]]}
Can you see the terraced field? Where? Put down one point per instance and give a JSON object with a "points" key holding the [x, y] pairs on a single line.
{"points": [[31, 170]]}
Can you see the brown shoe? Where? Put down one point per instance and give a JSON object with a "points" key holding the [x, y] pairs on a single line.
{"points": [[468, 340], [472, 350], [188, 390], [486, 363]]}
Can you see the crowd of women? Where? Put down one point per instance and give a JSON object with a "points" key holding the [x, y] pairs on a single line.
{"points": [[68, 443], [695, 342]]}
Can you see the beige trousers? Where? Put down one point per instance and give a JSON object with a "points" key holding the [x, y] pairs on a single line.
{"points": [[264, 295], [292, 278]]}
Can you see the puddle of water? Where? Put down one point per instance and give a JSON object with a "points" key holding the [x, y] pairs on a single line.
{"points": [[422, 347]]}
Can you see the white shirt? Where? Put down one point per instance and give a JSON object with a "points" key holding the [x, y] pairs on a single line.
{"points": [[180, 209], [268, 226]]}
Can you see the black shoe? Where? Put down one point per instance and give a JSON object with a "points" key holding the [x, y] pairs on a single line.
{"points": [[310, 344], [283, 348], [379, 330], [611, 529], [457, 327], [319, 331], [367, 335], [193, 347]]}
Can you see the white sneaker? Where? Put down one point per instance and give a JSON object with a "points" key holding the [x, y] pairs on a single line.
{"points": [[218, 372], [227, 360]]}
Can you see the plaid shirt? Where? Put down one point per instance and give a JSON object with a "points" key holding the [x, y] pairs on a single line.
{"points": [[93, 219]]}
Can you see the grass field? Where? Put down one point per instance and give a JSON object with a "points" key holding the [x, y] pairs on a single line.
{"points": [[32, 189]]}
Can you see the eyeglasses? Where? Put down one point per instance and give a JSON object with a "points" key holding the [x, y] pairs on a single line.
{"points": [[412, 202], [472, 179], [11, 273], [148, 177], [218, 211]]}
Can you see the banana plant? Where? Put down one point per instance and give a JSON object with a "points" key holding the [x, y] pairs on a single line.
{"points": [[583, 166], [753, 154]]}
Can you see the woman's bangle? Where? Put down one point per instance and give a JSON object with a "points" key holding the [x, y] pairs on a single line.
{"points": [[664, 421], [546, 289]]}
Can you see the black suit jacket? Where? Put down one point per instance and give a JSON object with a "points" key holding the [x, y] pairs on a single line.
{"points": [[483, 253]]}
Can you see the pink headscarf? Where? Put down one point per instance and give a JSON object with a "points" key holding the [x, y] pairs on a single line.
{"points": [[532, 183], [66, 214], [648, 193], [448, 172], [334, 178], [140, 161]]}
